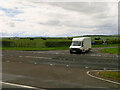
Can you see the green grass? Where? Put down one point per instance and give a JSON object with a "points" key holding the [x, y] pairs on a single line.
{"points": [[110, 50], [108, 45], [34, 49], [51, 48], [110, 74], [39, 44]]}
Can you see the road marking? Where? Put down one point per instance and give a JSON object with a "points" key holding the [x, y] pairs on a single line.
{"points": [[8, 61], [86, 67], [106, 70], [20, 62], [18, 85], [92, 55], [67, 65], [35, 63], [1, 55], [56, 53], [51, 64], [37, 57], [88, 73]]}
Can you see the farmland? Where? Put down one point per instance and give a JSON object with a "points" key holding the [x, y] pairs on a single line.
{"points": [[47, 43]]}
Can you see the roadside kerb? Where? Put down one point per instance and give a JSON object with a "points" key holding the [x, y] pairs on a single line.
{"points": [[88, 73]]}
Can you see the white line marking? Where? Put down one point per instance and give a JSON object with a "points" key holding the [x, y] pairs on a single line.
{"points": [[86, 67], [88, 73], [67, 65], [18, 85], [38, 57], [56, 53], [20, 62], [51, 64], [35, 63], [1, 55], [28, 56], [8, 61], [42, 57], [106, 70]]}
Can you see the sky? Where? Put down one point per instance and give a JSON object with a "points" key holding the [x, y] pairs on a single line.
{"points": [[31, 18]]}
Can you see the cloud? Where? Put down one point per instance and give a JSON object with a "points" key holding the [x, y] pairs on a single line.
{"points": [[25, 18]]}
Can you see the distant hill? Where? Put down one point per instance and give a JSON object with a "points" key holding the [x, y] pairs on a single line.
{"points": [[96, 36], [67, 37]]}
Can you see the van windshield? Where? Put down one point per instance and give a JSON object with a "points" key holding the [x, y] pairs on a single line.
{"points": [[76, 43]]}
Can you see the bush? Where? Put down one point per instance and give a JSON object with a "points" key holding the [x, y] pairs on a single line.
{"points": [[98, 42], [31, 38], [57, 43], [108, 42], [43, 38], [7, 43], [113, 42], [70, 38], [97, 38]]}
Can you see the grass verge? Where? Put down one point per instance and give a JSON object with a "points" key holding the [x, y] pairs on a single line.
{"points": [[113, 75], [108, 45], [34, 49], [110, 50], [51, 48]]}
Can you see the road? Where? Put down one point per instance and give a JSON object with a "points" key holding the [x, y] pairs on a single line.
{"points": [[56, 69]]}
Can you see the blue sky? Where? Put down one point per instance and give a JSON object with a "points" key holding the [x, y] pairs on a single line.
{"points": [[57, 19], [10, 12]]}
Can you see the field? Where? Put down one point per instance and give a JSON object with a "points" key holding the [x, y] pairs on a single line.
{"points": [[50, 48], [47, 43]]}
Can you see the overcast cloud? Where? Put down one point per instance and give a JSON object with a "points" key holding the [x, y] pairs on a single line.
{"points": [[55, 19]]}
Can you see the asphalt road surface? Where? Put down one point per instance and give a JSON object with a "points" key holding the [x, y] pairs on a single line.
{"points": [[56, 69]]}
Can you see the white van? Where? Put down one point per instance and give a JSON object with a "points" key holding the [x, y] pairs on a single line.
{"points": [[80, 45]]}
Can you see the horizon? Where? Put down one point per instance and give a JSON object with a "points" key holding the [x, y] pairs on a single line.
{"points": [[58, 37]]}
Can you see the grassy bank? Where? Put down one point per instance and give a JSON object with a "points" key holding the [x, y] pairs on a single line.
{"points": [[110, 50], [108, 45], [110, 75], [34, 49]]}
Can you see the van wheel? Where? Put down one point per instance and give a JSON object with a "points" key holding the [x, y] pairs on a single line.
{"points": [[89, 49], [71, 52], [83, 51]]}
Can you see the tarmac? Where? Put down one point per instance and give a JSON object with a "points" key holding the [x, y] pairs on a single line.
{"points": [[55, 69]]}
